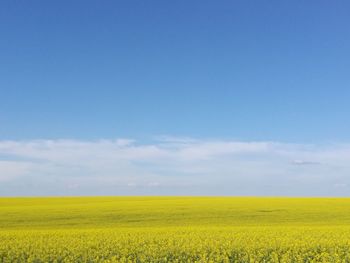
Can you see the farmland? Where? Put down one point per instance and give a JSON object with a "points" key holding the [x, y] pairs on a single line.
{"points": [[174, 229]]}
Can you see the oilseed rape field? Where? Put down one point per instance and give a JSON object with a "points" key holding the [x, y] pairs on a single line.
{"points": [[174, 229]]}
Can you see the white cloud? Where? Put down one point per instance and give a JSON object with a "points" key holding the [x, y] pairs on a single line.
{"points": [[10, 170], [171, 165]]}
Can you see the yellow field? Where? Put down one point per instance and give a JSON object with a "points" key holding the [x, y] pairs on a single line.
{"points": [[174, 229]]}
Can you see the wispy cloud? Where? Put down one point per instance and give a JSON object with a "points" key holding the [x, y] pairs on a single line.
{"points": [[171, 165], [304, 162]]}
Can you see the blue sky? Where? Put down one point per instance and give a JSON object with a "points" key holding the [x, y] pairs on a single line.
{"points": [[195, 74]]}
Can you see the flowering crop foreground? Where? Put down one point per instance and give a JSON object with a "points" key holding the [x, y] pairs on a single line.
{"points": [[174, 229]]}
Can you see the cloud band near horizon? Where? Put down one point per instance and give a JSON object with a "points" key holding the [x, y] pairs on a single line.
{"points": [[172, 166]]}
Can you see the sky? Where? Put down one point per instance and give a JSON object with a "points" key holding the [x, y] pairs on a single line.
{"points": [[174, 98]]}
